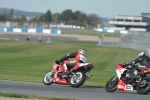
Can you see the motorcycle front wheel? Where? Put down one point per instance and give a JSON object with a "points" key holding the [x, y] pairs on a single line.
{"points": [[48, 79], [111, 84], [78, 80]]}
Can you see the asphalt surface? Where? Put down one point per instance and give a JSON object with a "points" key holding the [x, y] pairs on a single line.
{"points": [[35, 37], [44, 37], [84, 93]]}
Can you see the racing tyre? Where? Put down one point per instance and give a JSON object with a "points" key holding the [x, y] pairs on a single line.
{"points": [[78, 80], [144, 88], [111, 85], [48, 79]]}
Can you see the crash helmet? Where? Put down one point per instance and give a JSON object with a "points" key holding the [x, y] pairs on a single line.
{"points": [[82, 51], [142, 53]]}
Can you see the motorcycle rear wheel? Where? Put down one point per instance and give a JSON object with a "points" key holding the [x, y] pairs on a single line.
{"points": [[78, 80], [48, 79], [111, 84], [145, 89]]}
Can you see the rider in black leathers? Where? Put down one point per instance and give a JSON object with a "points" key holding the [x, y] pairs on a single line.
{"points": [[144, 61]]}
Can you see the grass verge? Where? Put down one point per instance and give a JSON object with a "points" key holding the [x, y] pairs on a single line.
{"points": [[30, 61], [33, 97]]}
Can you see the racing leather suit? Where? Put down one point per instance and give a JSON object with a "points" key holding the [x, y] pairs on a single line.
{"points": [[144, 62], [78, 58]]}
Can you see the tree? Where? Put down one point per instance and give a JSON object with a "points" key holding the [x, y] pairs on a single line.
{"points": [[94, 19], [76, 14], [48, 17], [35, 19], [22, 18], [41, 18], [2, 17], [11, 15], [55, 18], [66, 15], [83, 18]]}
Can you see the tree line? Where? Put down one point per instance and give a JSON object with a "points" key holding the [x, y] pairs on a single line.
{"points": [[78, 18]]}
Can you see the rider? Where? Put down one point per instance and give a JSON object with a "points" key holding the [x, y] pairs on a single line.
{"points": [[144, 61], [79, 57]]}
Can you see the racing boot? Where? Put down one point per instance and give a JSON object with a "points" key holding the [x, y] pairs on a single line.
{"points": [[88, 77], [67, 73]]}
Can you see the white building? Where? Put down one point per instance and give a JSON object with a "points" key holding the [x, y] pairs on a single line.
{"points": [[132, 23]]}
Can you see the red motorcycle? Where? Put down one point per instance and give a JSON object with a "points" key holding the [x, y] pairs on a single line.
{"points": [[123, 80], [75, 78]]}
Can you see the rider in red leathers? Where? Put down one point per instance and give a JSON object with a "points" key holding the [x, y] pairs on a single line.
{"points": [[79, 57]]}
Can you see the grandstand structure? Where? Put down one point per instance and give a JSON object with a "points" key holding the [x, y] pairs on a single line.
{"points": [[132, 23]]}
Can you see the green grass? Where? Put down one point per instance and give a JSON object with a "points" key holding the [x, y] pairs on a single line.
{"points": [[30, 61], [90, 32], [15, 95]]}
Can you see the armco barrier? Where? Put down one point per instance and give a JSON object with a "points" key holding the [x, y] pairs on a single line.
{"points": [[1, 29], [39, 30], [10, 29], [26, 30], [112, 31]]}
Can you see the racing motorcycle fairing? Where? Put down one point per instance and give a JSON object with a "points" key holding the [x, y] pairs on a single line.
{"points": [[120, 70], [58, 69], [84, 65], [121, 85], [76, 76], [145, 70], [130, 78]]}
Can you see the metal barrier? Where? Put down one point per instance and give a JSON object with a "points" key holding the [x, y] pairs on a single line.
{"points": [[148, 50], [138, 41]]}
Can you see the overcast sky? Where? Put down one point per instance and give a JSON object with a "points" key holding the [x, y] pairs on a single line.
{"points": [[104, 8]]}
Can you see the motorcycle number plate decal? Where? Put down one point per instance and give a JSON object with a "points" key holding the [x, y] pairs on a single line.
{"points": [[129, 87]]}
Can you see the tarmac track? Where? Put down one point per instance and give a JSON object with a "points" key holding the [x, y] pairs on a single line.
{"points": [[44, 37], [82, 93]]}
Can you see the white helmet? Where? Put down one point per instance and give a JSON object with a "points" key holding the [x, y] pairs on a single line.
{"points": [[142, 54], [82, 51]]}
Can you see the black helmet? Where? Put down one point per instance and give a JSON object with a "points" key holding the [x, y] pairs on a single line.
{"points": [[142, 53]]}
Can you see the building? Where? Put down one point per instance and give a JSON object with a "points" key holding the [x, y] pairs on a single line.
{"points": [[132, 23]]}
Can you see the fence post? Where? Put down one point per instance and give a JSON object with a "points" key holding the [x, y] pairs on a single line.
{"points": [[101, 39], [148, 50]]}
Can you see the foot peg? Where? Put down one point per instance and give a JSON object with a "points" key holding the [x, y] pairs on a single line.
{"points": [[89, 76]]}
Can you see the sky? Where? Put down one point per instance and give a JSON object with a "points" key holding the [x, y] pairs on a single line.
{"points": [[103, 8]]}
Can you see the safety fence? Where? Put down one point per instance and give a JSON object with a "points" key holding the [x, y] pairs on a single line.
{"points": [[148, 50], [135, 41], [37, 25]]}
